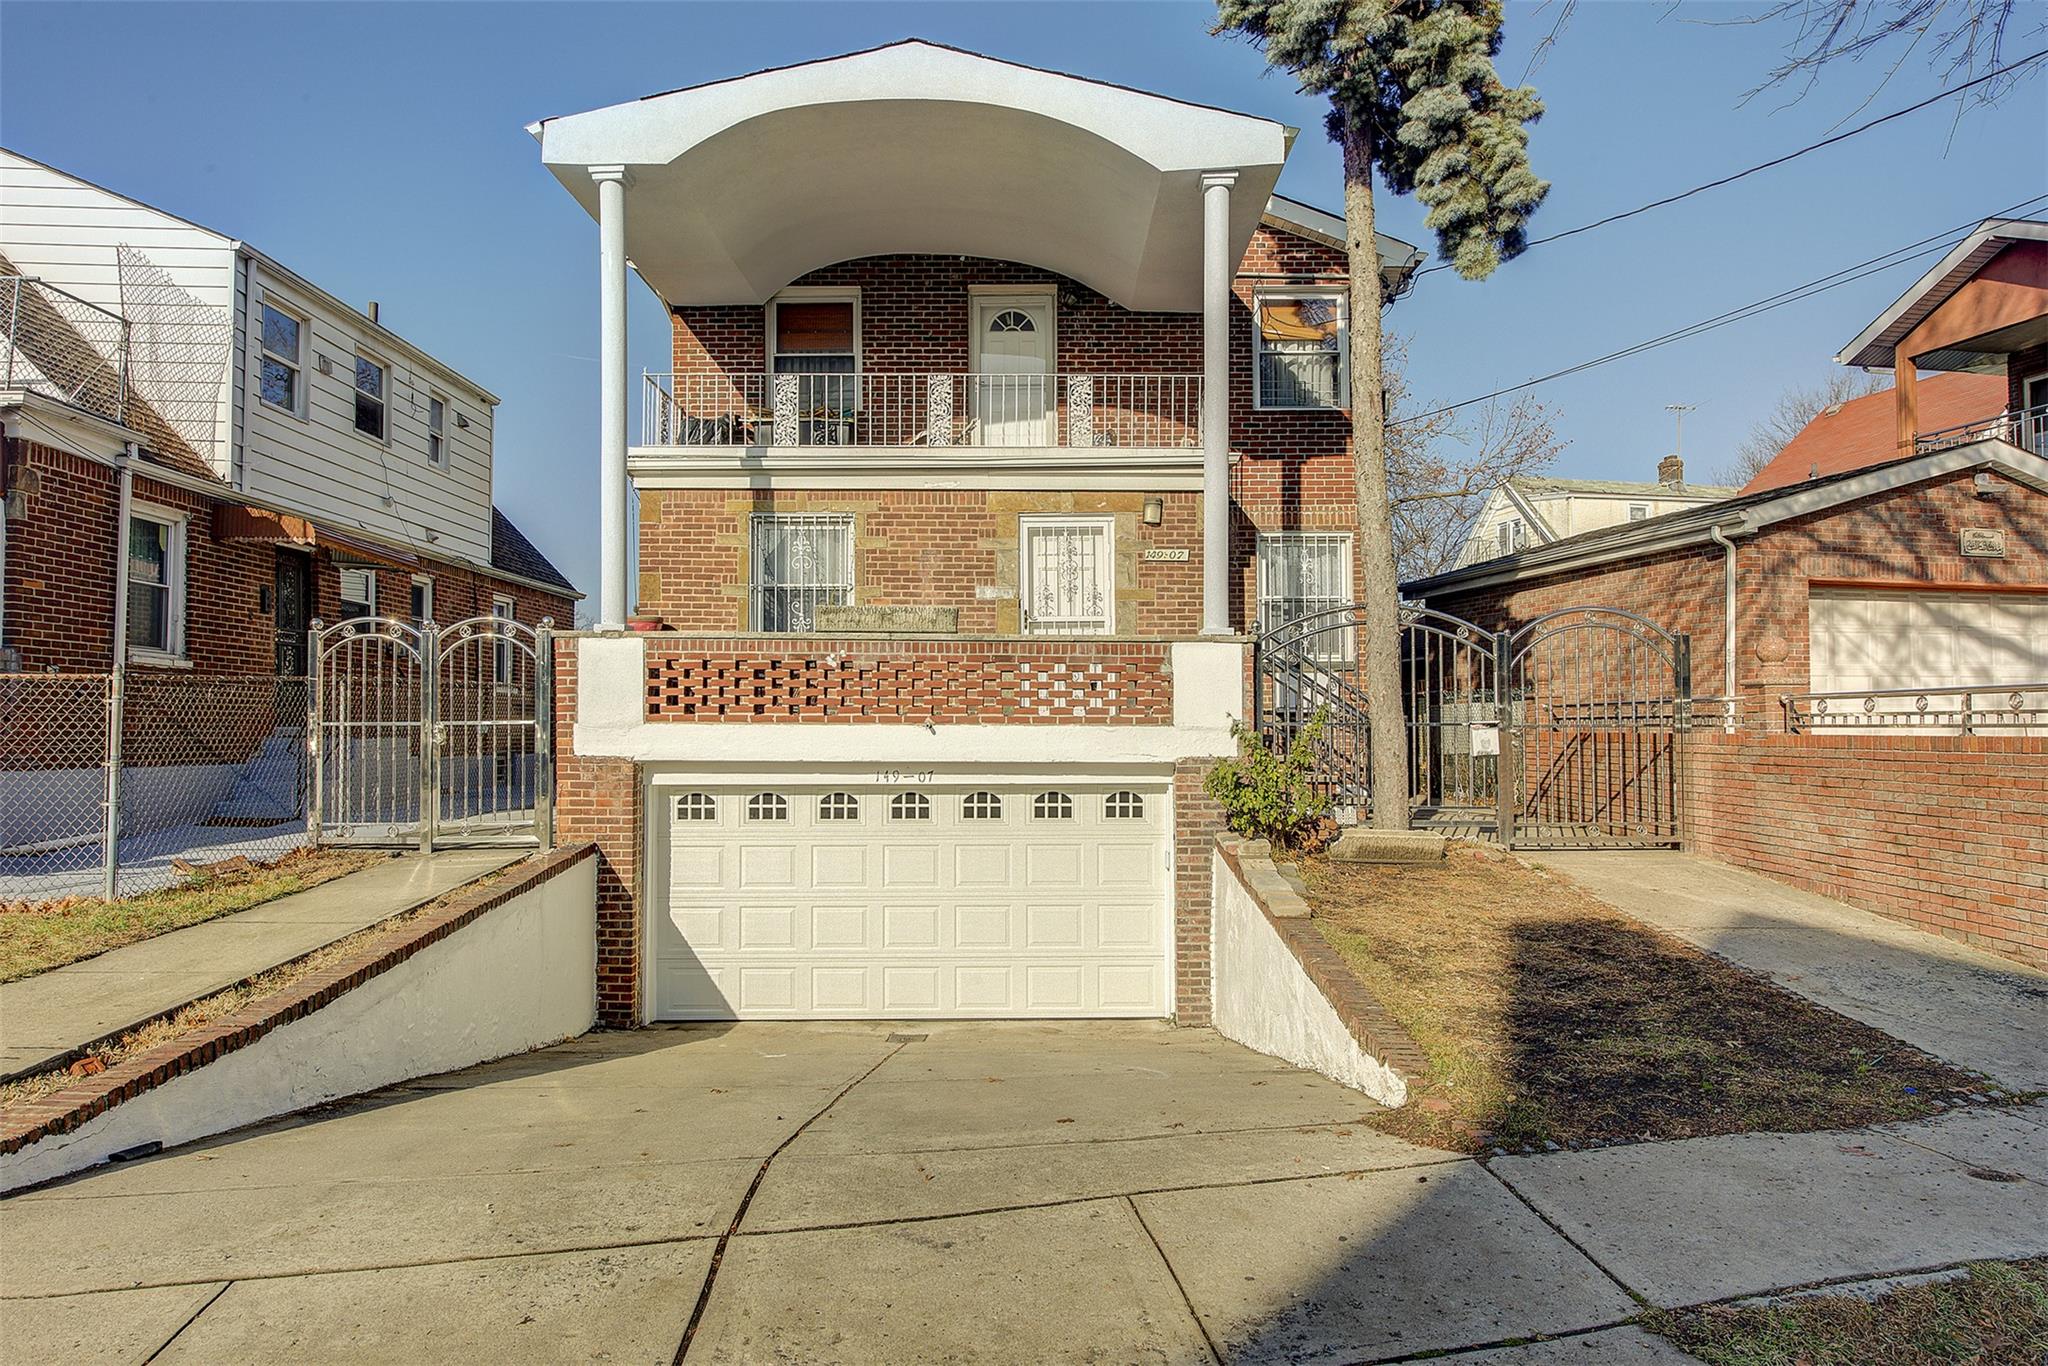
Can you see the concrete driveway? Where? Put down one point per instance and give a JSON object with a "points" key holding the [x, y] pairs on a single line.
{"points": [[1085, 1192]]}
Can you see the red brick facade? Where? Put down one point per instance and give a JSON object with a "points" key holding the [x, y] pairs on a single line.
{"points": [[1948, 833], [942, 682], [60, 574], [957, 548]]}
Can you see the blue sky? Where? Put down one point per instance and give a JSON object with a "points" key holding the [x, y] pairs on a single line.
{"points": [[378, 149]]}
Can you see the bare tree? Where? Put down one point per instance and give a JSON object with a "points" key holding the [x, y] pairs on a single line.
{"points": [[1788, 417], [1957, 39], [1441, 467]]}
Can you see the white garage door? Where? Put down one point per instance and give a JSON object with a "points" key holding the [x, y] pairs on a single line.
{"points": [[1875, 640], [956, 901]]}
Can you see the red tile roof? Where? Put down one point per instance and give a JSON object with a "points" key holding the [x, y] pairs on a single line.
{"points": [[1862, 431]]}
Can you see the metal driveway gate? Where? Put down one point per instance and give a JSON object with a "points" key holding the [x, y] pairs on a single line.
{"points": [[1565, 732], [1598, 699], [431, 735]]}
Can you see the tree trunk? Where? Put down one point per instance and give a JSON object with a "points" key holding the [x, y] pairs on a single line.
{"points": [[1381, 646]]}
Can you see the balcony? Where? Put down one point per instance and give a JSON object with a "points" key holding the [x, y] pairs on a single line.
{"points": [[58, 345], [930, 411], [2026, 428]]}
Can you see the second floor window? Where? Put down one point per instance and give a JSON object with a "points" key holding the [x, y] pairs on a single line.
{"points": [[280, 382], [1299, 347], [370, 383], [437, 430], [814, 339], [799, 562]]}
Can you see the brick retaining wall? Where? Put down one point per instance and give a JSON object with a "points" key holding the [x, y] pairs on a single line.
{"points": [[1947, 833]]}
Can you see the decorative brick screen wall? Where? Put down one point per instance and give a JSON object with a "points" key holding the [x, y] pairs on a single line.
{"points": [[951, 682], [1947, 833]]}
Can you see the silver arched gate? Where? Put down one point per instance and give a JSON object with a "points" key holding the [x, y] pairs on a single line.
{"points": [[431, 735], [1598, 702]]}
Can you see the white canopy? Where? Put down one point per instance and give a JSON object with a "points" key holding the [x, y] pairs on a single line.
{"points": [[738, 187]]}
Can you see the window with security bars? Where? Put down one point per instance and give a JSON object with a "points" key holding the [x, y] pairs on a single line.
{"points": [[800, 562], [1069, 586], [1300, 347], [1305, 572]]}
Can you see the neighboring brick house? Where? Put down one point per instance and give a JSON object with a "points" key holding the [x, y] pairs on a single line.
{"points": [[291, 458], [1003, 404], [1875, 604]]}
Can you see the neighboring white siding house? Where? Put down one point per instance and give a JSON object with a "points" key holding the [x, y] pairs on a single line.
{"points": [[195, 301], [1527, 511]]}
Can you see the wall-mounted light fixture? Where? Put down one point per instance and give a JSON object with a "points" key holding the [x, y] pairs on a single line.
{"points": [[1985, 484], [1154, 513]]}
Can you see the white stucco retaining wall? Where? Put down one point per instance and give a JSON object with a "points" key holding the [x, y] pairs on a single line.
{"points": [[1265, 1000], [518, 977]]}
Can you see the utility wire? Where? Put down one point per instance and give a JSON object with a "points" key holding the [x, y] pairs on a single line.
{"points": [[1898, 256], [1765, 165]]}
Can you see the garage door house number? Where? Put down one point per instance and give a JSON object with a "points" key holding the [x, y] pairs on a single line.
{"points": [[893, 776]]}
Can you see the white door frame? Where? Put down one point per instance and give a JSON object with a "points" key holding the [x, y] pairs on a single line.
{"points": [[1105, 523], [659, 786], [986, 300]]}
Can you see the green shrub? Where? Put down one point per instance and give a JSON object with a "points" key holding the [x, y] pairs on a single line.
{"points": [[1268, 795]]}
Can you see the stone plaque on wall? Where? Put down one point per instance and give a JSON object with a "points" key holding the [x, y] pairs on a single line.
{"points": [[1983, 543], [897, 620]]}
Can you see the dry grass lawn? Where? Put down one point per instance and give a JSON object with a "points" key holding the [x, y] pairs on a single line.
{"points": [[1996, 1315], [38, 936], [1548, 1016]]}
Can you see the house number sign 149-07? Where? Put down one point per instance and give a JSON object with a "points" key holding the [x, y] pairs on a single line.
{"points": [[1176, 554]]}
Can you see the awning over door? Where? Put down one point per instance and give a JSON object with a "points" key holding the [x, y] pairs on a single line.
{"points": [[238, 525]]}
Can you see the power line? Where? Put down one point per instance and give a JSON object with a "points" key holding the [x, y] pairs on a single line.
{"points": [[1898, 256], [1765, 165]]}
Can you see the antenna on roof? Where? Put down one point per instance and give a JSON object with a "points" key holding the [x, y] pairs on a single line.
{"points": [[1671, 469]]}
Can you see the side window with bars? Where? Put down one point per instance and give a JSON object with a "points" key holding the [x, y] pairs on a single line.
{"points": [[800, 561], [1305, 572]]}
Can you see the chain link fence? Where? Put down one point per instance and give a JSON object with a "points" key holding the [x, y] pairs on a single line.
{"points": [[192, 768]]}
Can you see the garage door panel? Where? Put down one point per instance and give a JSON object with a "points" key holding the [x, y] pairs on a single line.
{"points": [[923, 907], [1877, 641]]}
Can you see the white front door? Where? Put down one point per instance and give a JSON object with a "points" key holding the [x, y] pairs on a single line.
{"points": [[949, 899], [1067, 575], [1013, 363]]}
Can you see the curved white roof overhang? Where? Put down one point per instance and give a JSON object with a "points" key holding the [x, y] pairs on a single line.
{"points": [[737, 188]]}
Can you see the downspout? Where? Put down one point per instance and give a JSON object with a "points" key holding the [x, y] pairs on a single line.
{"points": [[117, 684], [1727, 627]]}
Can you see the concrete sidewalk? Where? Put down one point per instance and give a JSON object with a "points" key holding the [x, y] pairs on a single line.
{"points": [[45, 1018], [1965, 1006], [960, 1192]]}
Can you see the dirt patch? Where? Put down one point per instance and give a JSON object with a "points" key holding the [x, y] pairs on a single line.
{"points": [[212, 1009], [1549, 1017], [1995, 1315], [40, 935]]}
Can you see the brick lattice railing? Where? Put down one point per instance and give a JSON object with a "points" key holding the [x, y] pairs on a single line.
{"points": [[949, 682]]}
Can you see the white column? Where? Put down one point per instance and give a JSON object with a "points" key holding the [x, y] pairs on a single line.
{"points": [[613, 551], [1217, 269]]}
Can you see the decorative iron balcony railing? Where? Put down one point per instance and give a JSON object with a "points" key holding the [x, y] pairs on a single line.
{"points": [[929, 410], [62, 347], [1969, 709], [2026, 428]]}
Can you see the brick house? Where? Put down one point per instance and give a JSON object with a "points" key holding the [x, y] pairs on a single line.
{"points": [[286, 457], [1003, 404], [1875, 604], [1919, 559]]}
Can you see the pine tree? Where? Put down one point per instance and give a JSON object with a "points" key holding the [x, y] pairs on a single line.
{"points": [[1414, 95]]}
